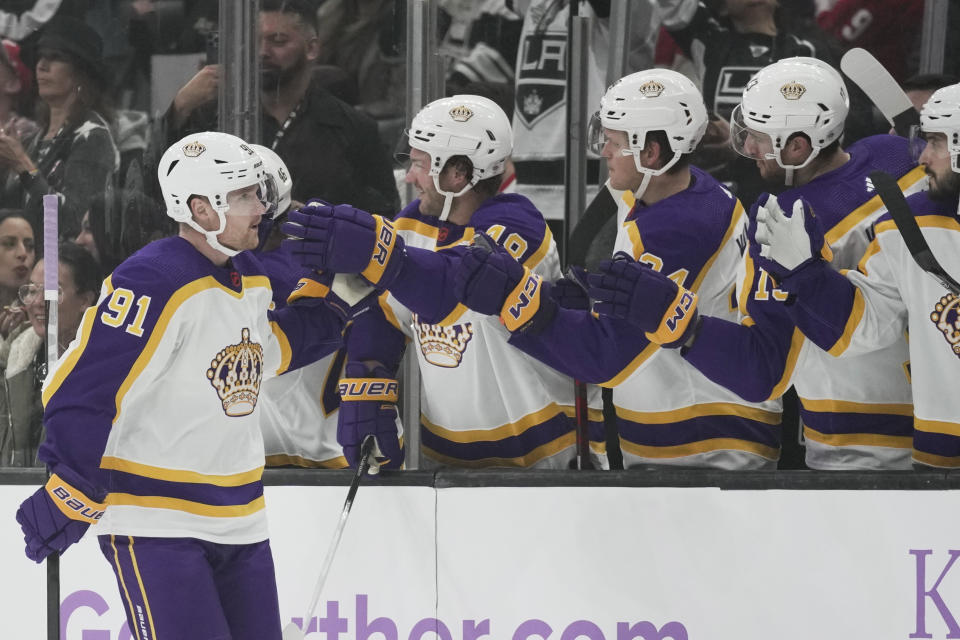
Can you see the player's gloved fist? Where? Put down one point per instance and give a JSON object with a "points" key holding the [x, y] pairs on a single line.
{"points": [[570, 291], [786, 242], [57, 515], [347, 294], [343, 239], [368, 406], [486, 275], [634, 292]]}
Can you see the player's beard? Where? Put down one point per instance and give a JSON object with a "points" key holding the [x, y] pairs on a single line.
{"points": [[273, 78], [945, 188]]}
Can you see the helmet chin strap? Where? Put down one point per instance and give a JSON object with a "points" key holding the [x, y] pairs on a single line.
{"points": [[211, 236], [789, 170], [648, 173], [448, 197]]}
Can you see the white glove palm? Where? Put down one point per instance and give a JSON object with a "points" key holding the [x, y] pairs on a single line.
{"points": [[783, 240]]}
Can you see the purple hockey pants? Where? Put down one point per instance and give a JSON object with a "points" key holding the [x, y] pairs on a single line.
{"points": [[185, 588]]}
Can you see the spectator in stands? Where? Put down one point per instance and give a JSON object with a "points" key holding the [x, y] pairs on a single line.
{"points": [[889, 29], [118, 224], [15, 82], [333, 151], [73, 154], [25, 368], [17, 255]]}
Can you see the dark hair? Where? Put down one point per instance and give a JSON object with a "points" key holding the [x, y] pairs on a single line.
{"points": [[929, 82], [666, 152], [305, 10], [486, 188], [125, 222], [92, 97], [87, 274], [13, 213]]}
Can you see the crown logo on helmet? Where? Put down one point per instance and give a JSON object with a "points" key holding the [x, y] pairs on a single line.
{"points": [[651, 89], [193, 149], [441, 345], [793, 90], [236, 373], [461, 113]]}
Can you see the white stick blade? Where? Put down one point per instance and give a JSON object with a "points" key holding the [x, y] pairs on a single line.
{"points": [[871, 76]]}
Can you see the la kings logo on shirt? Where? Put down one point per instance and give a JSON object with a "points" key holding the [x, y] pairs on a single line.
{"points": [[235, 373], [946, 317], [442, 345]]}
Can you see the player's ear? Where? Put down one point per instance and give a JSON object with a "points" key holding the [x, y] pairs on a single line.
{"points": [[199, 207], [798, 146]]}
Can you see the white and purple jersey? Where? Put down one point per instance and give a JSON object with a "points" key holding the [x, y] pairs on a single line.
{"points": [[155, 401]]}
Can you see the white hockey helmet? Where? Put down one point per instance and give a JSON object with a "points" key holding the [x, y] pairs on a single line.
{"points": [[646, 101], [793, 95], [464, 125], [281, 177], [210, 164], [941, 114]]}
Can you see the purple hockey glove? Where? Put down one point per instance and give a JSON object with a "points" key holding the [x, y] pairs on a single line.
{"points": [[343, 239], [570, 291], [783, 244], [347, 294], [634, 292], [486, 275], [57, 515], [368, 406]]}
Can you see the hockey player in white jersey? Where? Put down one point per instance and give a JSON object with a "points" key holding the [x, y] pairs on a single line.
{"points": [[856, 414], [483, 403], [870, 308], [151, 413], [682, 223]]}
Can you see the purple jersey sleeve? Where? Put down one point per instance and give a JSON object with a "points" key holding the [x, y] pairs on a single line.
{"points": [[425, 282]]}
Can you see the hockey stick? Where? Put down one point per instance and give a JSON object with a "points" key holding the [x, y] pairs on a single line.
{"points": [[51, 296], [292, 631], [861, 67], [896, 204], [875, 81]]}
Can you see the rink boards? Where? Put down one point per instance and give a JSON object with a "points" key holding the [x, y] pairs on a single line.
{"points": [[459, 557]]}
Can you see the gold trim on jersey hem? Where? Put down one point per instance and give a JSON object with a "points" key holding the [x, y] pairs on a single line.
{"points": [[704, 446], [858, 439], [853, 321], [179, 475], [699, 411], [544, 451], [933, 460], [849, 406], [187, 506], [283, 459], [510, 429], [937, 426]]}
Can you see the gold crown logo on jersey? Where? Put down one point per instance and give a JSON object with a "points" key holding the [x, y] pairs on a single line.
{"points": [[236, 373], [651, 89], [443, 345], [793, 90], [532, 104], [946, 315], [193, 149], [461, 113]]}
